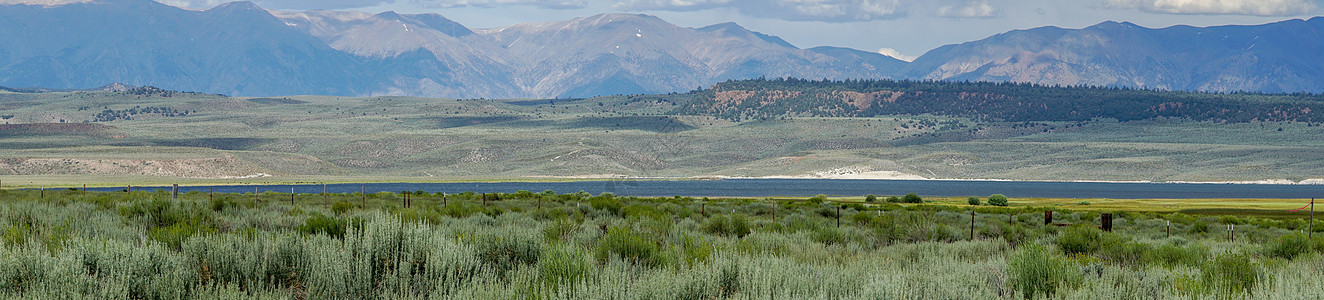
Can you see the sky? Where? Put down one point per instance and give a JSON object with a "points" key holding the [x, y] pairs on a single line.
{"points": [[899, 28]]}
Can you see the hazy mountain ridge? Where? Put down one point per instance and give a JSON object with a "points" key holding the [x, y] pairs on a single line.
{"points": [[241, 49], [1277, 57]]}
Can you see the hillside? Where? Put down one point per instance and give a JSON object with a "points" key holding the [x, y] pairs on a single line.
{"points": [[1277, 57], [241, 49], [149, 135], [790, 97]]}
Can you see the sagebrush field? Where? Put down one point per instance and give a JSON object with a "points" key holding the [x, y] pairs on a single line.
{"points": [[64, 244]]}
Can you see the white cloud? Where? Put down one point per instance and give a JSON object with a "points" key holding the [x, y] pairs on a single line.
{"points": [[345, 4], [553, 4], [1218, 7], [791, 10], [971, 9], [897, 54]]}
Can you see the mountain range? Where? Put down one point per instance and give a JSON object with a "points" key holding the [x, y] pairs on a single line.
{"points": [[241, 49]]}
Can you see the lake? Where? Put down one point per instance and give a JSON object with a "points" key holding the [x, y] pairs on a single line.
{"points": [[811, 187]]}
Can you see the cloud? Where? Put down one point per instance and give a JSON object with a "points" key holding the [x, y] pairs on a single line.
{"points": [[791, 10], [346, 4], [1218, 7], [552, 4], [897, 54], [970, 9]]}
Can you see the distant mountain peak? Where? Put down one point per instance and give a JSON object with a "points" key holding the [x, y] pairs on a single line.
{"points": [[733, 28], [389, 15], [238, 5]]}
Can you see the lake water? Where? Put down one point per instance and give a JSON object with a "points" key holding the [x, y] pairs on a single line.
{"points": [[811, 187]]}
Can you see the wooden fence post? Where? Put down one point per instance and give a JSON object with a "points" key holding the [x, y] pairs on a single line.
{"points": [[84, 189], [43, 192], [1107, 220], [1169, 230], [1312, 218], [291, 196], [774, 211], [363, 192], [703, 209], [324, 195], [210, 197], [838, 215], [174, 192], [1048, 217], [972, 224]]}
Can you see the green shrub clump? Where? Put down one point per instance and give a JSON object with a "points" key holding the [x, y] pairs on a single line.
{"points": [[319, 223], [1085, 240], [341, 207], [733, 225], [560, 265], [870, 198], [1290, 246], [997, 200], [1036, 271], [912, 198], [1230, 274], [630, 246], [973, 201]]}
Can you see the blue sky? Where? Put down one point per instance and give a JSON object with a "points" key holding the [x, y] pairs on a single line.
{"points": [[906, 27]]}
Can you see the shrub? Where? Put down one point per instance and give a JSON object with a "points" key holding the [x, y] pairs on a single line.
{"points": [[1171, 255], [1199, 227], [1036, 271], [341, 207], [1085, 240], [870, 198], [559, 230], [893, 199], [606, 202], [319, 223], [912, 198], [173, 236], [997, 200], [1290, 246], [1083, 203], [733, 225], [1230, 274], [972, 201], [504, 251], [818, 199], [629, 245], [560, 265], [1131, 254], [829, 236]]}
